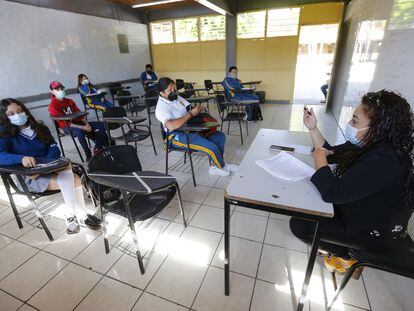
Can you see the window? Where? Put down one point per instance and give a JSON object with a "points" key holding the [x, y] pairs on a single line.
{"points": [[282, 22], [162, 32], [251, 25], [186, 30], [212, 28]]}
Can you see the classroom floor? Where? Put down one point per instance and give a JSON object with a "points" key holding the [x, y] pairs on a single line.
{"points": [[184, 267]]}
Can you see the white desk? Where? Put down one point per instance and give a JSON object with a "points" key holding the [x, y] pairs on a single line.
{"points": [[253, 187]]}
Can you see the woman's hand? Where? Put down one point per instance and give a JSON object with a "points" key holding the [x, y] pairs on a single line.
{"points": [[309, 118], [29, 162], [319, 157]]}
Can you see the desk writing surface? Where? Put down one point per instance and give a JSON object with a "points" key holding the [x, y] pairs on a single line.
{"points": [[254, 185], [44, 166], [199, 99], [70, 116]]}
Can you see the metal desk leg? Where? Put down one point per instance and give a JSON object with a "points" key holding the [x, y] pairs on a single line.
{"points": [[309, 268], [12, 203], [226, 247], [191, 158]]}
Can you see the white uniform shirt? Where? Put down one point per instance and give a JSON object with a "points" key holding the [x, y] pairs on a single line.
{"points": [[170, 110]]}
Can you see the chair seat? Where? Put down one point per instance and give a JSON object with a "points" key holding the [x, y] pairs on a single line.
{"points": [[400, 259], [137, 108], [235, 116], [136, 135], [143, 207]]}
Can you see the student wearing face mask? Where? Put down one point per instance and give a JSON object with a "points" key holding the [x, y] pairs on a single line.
{"points": [[24, 141], [371, 186], [60, 105], [85, 87], [233, 88], [149, 78], [173, 111]]}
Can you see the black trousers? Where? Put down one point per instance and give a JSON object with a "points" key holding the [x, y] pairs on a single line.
{"points": [[334, 238]]}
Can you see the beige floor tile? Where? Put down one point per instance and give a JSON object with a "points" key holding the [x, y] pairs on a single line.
{"points": [[279, 234], [108, 295], [210, 218], [251, 211], [65, 290], [26, 307], [95, 258], [211, 295], [32, 275], [4, 240], [13, 255], [189, 211], [9, 303], [69, 246], [38, 238], [215, 198], [194, 194], [244, 256], [154, 303], [247, 226], [11, 229], [6, 214]]}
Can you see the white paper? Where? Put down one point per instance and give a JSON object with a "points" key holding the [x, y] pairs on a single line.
{"points": [[287, 167]]}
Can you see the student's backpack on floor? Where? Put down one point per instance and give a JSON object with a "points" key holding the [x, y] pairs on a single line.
{"points": [[254, 112]]}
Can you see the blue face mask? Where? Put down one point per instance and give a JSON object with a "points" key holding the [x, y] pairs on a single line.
{"points": [[351, 134], [60, 94], [18, 119], [85, 82]]}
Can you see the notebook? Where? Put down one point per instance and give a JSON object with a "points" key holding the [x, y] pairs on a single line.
{"points": [[286, 167]]}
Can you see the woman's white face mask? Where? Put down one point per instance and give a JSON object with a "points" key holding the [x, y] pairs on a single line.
{"points": [[351, 134]]}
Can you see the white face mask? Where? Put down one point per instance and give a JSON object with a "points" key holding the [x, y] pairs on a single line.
{"points": [[351, 134], [85, 82], [18, 119], [60, 94], [234, 75]]}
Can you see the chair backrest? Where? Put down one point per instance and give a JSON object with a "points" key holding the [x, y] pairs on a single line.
{"points": [[114, 87], [114, 112], [208, 84], [179, 84], [219, 99], [226, 91], [121, 159], [123, 102]]}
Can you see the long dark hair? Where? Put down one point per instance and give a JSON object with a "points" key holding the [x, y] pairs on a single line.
{"points": [[80, 77], [391, 122], [42, 132]]}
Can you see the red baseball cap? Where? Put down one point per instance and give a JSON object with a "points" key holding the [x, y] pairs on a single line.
{"points": [[56, 84]]}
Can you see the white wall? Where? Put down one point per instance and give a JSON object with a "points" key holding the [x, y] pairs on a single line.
{"points": [[38, 45], [376, 53]]}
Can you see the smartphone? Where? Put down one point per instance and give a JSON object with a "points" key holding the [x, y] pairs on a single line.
{"points": [[307, 110], [283, 148]]}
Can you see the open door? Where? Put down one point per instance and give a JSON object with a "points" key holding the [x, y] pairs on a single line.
{"points": [[314, 62]]}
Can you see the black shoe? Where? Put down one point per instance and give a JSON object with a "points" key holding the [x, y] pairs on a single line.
{"points": [[93, 222]]}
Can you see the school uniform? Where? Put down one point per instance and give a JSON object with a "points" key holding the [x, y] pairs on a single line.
{"points": [[212, 145], [94, 102], [149, 76], [26, 144], [67, 106]]}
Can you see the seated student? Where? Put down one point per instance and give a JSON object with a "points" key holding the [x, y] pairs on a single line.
{"points": [[85, 87], [371, 187], [149, 78], [23, 140], [60, 105], [173, 111], [233, 88]]}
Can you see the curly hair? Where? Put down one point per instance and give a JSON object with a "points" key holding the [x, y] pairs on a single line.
{"points": [[8, 129], [391, 122]]}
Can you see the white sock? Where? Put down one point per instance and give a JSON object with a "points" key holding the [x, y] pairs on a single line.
{"points": [[80, 203], [65, 182]]}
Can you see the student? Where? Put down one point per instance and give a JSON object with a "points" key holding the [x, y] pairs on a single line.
{"points": [[85, 87], [23, 140], [60, 105], [371, 187], [324, 88], [233, 88], [173, 111], [148, 77]]}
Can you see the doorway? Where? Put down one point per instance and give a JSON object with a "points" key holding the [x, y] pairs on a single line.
{"points": [[314, 62]]}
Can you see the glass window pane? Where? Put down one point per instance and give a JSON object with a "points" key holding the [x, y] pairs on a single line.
{"points": [[251, 24], [283, 22], [186, 30], [212, 27], [162, 32]]}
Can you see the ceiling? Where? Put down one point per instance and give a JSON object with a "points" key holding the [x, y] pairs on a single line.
{"points": [[155, 7]]}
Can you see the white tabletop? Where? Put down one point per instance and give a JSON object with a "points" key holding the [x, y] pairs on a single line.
{"points": [[252, 184]]}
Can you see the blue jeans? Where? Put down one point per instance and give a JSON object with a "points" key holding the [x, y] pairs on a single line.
{"points": [[99, 136], [324, 89], [213, 145]]}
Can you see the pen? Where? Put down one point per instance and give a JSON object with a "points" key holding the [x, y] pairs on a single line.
{"points": [[307, 110]]}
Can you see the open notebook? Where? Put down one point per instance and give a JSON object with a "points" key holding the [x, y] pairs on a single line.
{"points": [[287, 167]]}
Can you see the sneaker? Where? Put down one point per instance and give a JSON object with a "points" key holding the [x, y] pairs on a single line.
{"points": [[72, 225], [231, 167], [92, 222], [214, 170]]}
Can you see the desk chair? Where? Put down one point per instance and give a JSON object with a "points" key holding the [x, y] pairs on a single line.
{"points": [[128, 103], [135, 206], [87, 107], [114, 87], [10, 185], [248, 103], [398, 261], [232, 111], [208, 84], [116, 118]]}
